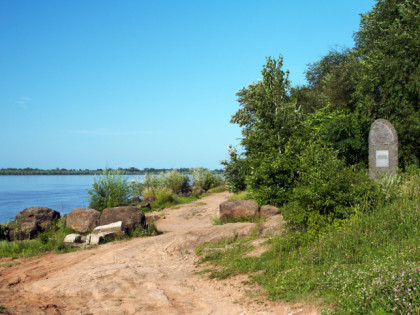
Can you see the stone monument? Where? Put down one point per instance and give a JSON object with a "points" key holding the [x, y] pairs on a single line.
{"points": [[383, 149]]}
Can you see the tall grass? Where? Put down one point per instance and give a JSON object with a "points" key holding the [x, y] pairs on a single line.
{"points": [[367, 264]]}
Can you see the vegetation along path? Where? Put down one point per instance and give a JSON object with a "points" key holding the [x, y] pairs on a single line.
{"points": [[152, 275]]}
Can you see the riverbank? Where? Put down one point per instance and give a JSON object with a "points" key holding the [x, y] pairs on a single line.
{"points": [[152, 275]]}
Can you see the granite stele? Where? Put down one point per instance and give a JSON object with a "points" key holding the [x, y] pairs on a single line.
{"points": [[383, 149]]}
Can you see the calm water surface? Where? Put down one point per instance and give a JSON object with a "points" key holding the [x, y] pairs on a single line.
{"points": [[59, 192]]}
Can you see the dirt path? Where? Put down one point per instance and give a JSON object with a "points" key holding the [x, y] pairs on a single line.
{"points": [[152, 275]]}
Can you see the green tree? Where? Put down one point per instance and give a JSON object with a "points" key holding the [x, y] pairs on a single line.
{"points": [[388, 47], [267, 116], [268, 119]]}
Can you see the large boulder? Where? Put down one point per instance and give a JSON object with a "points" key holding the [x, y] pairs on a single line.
{"points": [[269, 211], [238, 208], [83, 220], [31, 221], [131, 217]]}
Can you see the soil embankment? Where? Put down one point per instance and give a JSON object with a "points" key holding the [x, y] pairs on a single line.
{"points": [[152, 275]]}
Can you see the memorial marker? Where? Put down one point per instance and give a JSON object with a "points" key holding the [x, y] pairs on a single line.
{"points": [[383, 149]]}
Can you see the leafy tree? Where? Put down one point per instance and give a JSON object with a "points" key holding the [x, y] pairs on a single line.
{"points": [[388, 47], [268, 119]]}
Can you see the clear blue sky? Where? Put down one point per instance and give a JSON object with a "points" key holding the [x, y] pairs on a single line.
{"points": [[89, 84]]}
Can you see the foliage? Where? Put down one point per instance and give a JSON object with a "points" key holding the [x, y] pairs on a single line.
{"points": [[326, 190], [340, 129], [174, 181], [205, 179], [235, 171], [388, 83], [109, 190], [135, 188], [362, 265], [267, 117]]}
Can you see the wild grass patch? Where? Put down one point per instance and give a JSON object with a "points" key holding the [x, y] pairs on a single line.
{"points": [[366, 264]]}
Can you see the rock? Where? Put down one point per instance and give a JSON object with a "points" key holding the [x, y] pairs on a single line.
{"points": [[31, 221], [23, 231], [237, 208], [145, 205], [135, 200], [130, 216], [73, 238], [269, 211], [186, 191], [94, 239], [200, 192], [83, 220], [41, 216], [97, 238], [149, 198], [115, 228]]}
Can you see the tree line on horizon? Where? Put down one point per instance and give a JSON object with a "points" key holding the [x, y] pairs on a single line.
{"points": [[63, 171]]}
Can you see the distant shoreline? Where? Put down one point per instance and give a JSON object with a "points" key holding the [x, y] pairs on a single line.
{"points": [[63, 171]]}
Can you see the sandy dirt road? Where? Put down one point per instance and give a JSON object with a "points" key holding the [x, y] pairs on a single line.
{"points": [[152, 275]]}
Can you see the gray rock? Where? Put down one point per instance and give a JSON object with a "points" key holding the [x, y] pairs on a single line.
{"points": [[131, 217], [269, 211], [383, 149], [237, 208], [115, 228], [72, 238], [83, 220], [94, 239]]}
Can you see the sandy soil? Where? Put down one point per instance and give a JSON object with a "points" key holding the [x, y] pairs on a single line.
{"points": [[152, 275]]}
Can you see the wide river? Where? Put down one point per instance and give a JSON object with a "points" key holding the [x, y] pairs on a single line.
{"points": [[59, 192]]}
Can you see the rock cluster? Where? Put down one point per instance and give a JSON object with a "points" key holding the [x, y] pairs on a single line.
{"points": [[112, 222]]}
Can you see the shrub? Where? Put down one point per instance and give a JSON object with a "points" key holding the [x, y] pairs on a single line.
{"points": [[136, 188], [326, 189], [109, 190], [204, 179], [174, 181], [235, 171], [152, 183]]}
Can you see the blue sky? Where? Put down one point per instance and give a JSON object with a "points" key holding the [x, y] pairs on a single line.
{"points": [[89, 84]]}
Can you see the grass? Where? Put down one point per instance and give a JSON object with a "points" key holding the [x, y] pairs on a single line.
{"points": [[240, 195], [51, 240], [368, 264]]}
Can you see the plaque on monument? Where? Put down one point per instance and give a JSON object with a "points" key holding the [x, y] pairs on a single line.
{"points": [[383, 149], [382, 158]]}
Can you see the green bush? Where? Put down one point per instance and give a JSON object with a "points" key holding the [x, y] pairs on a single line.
{"points": [[205, 179], [109, 190], [326, 189], [174, 181], [135, 188], [235, 171]]}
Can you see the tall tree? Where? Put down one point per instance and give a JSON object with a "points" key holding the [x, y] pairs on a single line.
{"points": [[388, 47]]}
